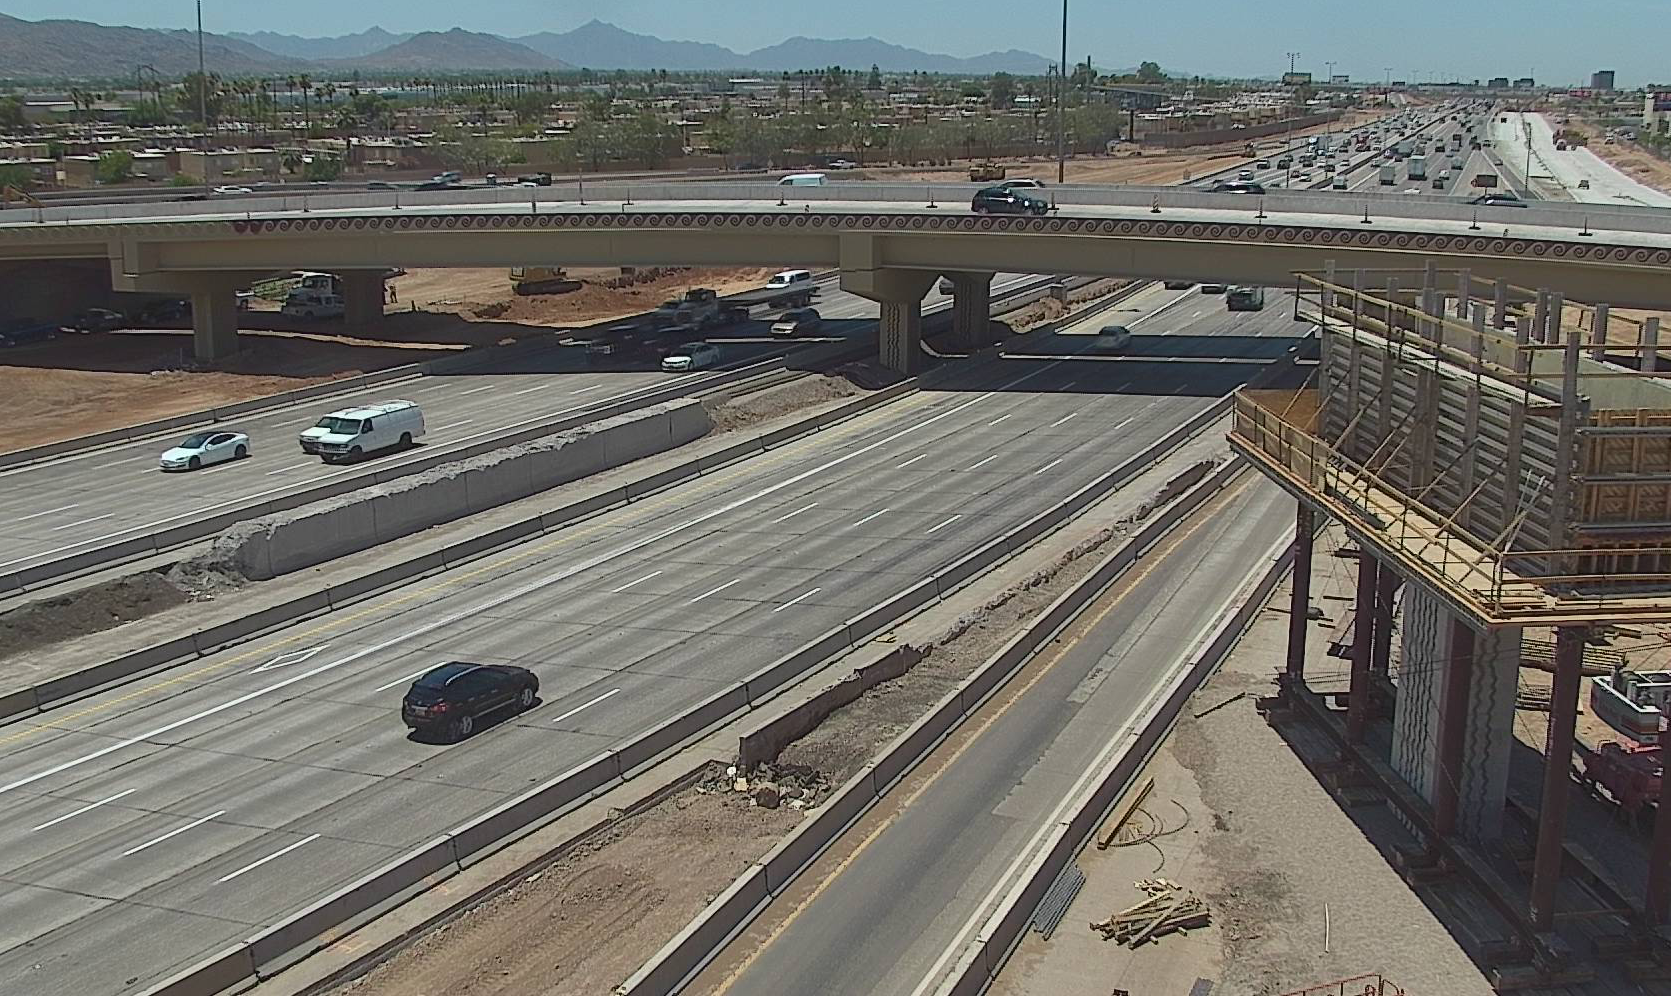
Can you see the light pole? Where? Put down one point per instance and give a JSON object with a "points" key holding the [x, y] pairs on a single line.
{"points": [[1062, 104], [203, 97], [1291, 57]]}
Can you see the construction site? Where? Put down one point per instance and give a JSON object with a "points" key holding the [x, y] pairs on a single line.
{"points": [[1493, 463]]}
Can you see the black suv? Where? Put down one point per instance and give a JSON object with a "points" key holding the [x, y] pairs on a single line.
{"points": [[452, 697], [1002, 200], [1236, 187], [1498, 200]]}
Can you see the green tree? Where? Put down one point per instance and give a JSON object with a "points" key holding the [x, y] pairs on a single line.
{"points": [[322, 169], [182, 180], [530, 107], [198, 94], [11, 114], [1001, 92], [114, 166], [16, 175], [875, 81], [1083, 76], [1149, 72]]}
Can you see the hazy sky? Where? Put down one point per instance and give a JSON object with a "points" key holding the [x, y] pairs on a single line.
{"points": [[1558, 41]]}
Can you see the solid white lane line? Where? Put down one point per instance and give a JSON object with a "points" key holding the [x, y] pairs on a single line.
{"points": [[478, 390], [641, 580], [945, 524], [1046, 467], [587, 705], [881, 511], [50, 511], [83, 809], [583, 390], [1064, 418], [797, 598], [920, 456], [1000, 418], [291, 467], [983, 463], [175, 832], [520, 591], [415, 675], [715, 591], [281, 852], [83, 522], [791, 515]]}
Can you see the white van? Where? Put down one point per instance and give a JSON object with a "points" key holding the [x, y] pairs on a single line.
{"points": [[353, 432], [790, 279], [306, 302], [802, 180]]}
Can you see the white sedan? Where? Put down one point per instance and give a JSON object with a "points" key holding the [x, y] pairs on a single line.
{"points": [[202, 448], [692, 357]]}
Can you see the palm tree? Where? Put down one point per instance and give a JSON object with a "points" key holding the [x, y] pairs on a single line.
{"points": [[305, 84]]}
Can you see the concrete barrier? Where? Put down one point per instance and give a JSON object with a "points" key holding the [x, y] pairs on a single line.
{"points": [[580, 509], [689, 949], [666, 735], [75, 683], [764, 743], [23, 702], [918, 739], [765, 682], [825, 823], [208, 977], [215, 637], [869, 621], [476, 839], [348, 591]]}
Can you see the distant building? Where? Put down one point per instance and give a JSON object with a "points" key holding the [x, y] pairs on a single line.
{"points": [[1498, 83], [1525, 83], [1602, 79]]}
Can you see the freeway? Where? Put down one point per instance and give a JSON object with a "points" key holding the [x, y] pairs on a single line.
{"points": [[95, 498], [1562, 170], [197, 806], [890, 904]]}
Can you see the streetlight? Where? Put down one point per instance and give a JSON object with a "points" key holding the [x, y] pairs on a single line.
{"points": [[1062, 104], [1291, 57], [203, 97]]}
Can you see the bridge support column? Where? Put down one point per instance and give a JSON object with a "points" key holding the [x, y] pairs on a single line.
{"points": [[363, 296], [214, 317], [1557, 774], [1363, 631], [971, 310], [899, 292], [1299, 605], [1386, 586]]}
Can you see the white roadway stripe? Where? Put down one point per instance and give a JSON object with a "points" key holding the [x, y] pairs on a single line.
{"points": [[519, 592], [1046, 467], [175, 832], [983, 463], [945, 524], [454, 425], [641, 580], [587, 705], [791, 515], [714, 591], [583, 390], [478, 390], [83, 809], [293, 466], [872, 515], [414, 676], [1064, 418], [920, 456], [50, 511], [1000, 418], [538, 387], [281, 852], [83, 522], [797, 598]]}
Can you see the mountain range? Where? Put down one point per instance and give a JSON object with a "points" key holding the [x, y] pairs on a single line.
{"points": [[79, 49]]}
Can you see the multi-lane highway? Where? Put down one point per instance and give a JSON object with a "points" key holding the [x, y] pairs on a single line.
{"points": [[84, 501], [198, 807], [890, 907]]}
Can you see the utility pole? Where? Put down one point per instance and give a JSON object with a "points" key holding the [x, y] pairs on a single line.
{"points": [[1062, 104], [1292, 56], [203, 97]]}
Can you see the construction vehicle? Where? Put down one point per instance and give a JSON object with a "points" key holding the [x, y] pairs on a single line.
{"points": [[699, 308], [527, 280], [986, 172], [1630, 774]]}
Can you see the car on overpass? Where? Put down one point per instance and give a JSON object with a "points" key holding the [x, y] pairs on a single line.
{"points": [[1002, 200], [451, 698], [1498, 199], [1179, 284], [1236, 187], [1022, 183]]}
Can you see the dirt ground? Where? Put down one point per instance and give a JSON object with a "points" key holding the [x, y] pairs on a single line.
{"points": [[588, 921], [77, 385], [91, 610], [1627, 159]]}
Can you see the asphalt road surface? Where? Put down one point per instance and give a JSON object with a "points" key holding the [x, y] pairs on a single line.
{"points": [[148, 826], [878, 918], [83, 501]]}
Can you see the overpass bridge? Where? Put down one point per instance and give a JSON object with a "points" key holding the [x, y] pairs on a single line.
{"points": [[890, 241]]}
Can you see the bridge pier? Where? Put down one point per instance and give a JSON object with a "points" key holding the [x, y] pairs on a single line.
{"points": [[971, 309], [899, 292], [363, 295], [214, 316]]}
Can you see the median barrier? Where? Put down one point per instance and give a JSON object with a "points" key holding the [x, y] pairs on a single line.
{"points": [[731, 454], [664, 479], [670, 733], [319, 924], [821, 826], [406, 506], [474, 840], [22, 702], [208, 977], [215, 637], [894, 607], [765, 682], [354, 588], [689, 948], [76, 682], [971, 564], [488, 481], [765, 742], [558, 517], [23, 579], [467, 549], [917, 739]]}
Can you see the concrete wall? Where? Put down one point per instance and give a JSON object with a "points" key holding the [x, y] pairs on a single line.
{"points": [[288, 541], [1180, 139]]}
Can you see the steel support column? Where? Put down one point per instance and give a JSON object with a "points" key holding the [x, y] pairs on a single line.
{"points": [[1386, 586], [1363, 630], [1453, 729], [1557, 774], [1300, 603]]}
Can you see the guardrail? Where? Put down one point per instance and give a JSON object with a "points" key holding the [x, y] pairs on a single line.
{"points": [[271, 950], [689, 951]]}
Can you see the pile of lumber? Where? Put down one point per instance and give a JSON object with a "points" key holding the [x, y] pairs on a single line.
{"points": [[1169, 908]]}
